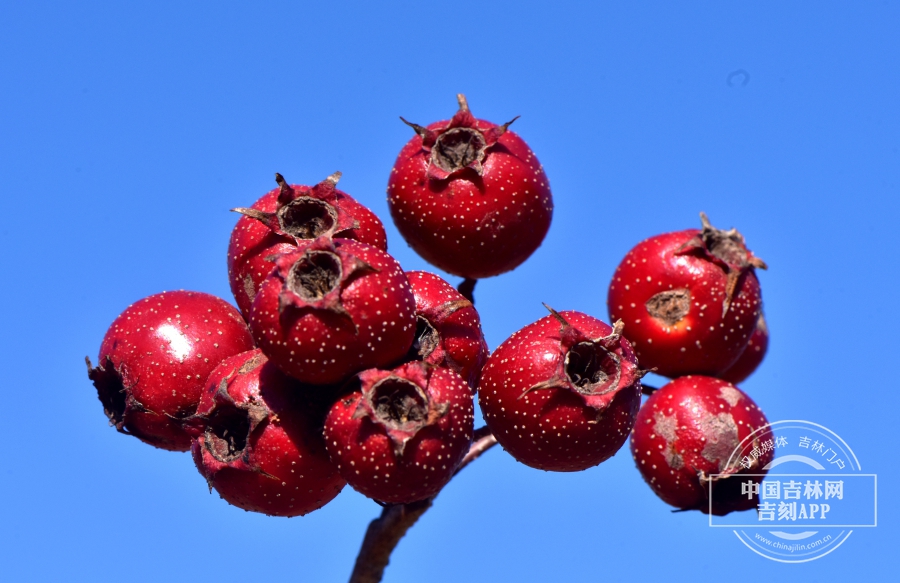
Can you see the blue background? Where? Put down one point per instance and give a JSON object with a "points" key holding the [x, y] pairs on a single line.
{"points": [[127, 132]]}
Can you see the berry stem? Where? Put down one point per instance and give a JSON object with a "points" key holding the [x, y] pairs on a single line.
{"points": [[385, 532], [467, 289], [482, 441], [647, 389], [382, 537]]}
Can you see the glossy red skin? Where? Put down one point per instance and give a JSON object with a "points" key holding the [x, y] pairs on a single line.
{"points": [[364, 453], [751, 357], [463, 347], [163, 348], [468, 225], [252, 242], [322, 348], [284, 469], [692, 425], [703, 342], [553, 429]]}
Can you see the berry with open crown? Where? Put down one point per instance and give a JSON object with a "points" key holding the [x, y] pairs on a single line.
{"points": [[333, 308], [400, 435], [259, 440], [470, 196], [561, 394]]}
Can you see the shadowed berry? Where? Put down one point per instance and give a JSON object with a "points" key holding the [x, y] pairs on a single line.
{"points": [[448, 329], [259, 441]]}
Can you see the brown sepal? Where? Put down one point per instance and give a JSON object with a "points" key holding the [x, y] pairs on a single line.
{"points": [[492, 135], [429, 137], [727, 250]]}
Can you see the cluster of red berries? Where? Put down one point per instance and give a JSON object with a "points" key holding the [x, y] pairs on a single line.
{"points": [[340, 368], [692, 308]]}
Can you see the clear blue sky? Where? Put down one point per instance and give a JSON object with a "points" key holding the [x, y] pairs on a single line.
{"points": [[128, 133]]}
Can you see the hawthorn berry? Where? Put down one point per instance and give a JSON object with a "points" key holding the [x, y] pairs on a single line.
{"points": [[400, 435], [286, 215], [470, 196], [333, 308], [752, 356], [690, 300], [448, 328], [562, 393], [155, 358], [684, 440], [259, 440]]}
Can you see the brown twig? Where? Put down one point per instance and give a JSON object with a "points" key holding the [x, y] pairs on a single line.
{"points": [[385, 532]]}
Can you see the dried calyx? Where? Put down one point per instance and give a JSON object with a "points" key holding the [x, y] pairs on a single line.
{"points": [[315, 275], [726, 245], [428, 338], [728, 250], [457, 148], [460, 145], [112, 392], [227, 430], [229, 424], [426, 341], [305, 216], [398, 404], [592, 369]]}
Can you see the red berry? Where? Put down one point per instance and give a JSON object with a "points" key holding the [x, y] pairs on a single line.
{"points": [[155, 358], [260, 444], [448, 330], [332, 309], [561, 394], [689, 300], [288, 214], [399, 437], [752, 356], [470, 196], [687, 431]]}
